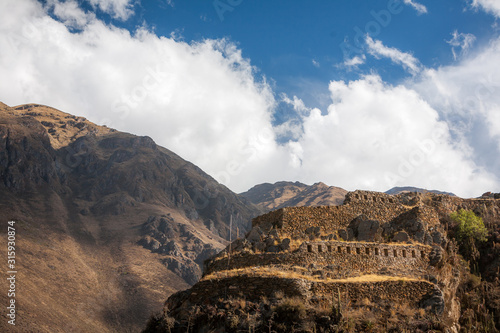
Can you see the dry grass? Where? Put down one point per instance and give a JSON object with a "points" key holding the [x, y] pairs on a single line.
{"points": [[66, 285], [274, 272]]}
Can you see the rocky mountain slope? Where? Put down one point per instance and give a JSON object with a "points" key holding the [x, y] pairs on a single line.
{"points": [[107, 222], [288, 194]]}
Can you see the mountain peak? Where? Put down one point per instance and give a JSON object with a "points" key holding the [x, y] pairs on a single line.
{"points": [[285, 194], [63, 128]]}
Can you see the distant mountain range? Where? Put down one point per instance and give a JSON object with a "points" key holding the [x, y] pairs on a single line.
{"points": [[398, 190], [287, 194]]}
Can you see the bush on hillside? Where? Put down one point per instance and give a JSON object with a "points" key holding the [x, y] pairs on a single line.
{"points": [[470, 232]]}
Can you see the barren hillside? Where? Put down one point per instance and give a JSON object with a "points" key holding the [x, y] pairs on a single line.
{"points": [[108, 223]]}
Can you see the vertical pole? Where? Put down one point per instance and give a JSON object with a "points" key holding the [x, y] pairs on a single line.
{"points": [[230, 240]]}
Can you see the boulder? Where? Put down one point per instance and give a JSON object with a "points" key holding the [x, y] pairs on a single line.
{"points": [[273, 248], [285, 245], [434, 302], [437, 238], [369, 231], [274, 233], [346, 234], [154, 245], [313, 231], [254, 235], [365, 229], [259, 246], [436, 256], [401, 237]]}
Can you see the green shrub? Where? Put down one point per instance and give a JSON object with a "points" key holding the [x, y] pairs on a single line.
{"points": [[470, 231], [470, 226]]}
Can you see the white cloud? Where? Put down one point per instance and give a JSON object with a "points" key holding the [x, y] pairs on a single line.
{"points": [[468, 96], [118, 9], [462, 41], [355, 61], [202, 101], [376, 136], [316, 63], [421, 9], [297, 104], [491, 6], [408, 61], [70, 13]]}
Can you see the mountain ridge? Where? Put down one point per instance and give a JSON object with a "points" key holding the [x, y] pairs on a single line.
{"points": [[130, 215], [286, 194], [402, 189]]}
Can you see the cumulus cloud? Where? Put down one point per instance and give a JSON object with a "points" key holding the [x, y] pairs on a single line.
{"points": [[468, 96], [118, 9], [376, 136], [421, 9], [70, 13], [461, 41], [378, 49], [202, 100], [491, 6]]}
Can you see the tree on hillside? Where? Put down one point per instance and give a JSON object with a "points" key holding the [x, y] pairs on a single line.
{"points": [[470, 232]]}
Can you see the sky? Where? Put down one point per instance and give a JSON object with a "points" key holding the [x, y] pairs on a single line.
{"points": [[360, 94]]}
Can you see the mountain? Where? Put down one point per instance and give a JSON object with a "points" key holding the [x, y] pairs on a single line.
{"points": [[288, 194], [398, 190], [107, 223]]}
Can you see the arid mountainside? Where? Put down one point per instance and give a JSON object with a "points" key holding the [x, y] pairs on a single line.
{"points": [[376, 263], [288, 194], [107, 223]]}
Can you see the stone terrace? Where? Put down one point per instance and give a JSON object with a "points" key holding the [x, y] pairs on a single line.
{"points": [[296, 220], [335, 259]]}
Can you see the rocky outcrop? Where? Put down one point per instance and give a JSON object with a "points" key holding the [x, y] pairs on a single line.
{"points": [[365, 229], [180, 245], [27, 160]]}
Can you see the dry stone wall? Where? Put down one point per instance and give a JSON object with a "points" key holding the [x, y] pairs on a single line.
{"points": [[253, 288], [402, 291], [296, 220], [377, 206], [336, 260]]}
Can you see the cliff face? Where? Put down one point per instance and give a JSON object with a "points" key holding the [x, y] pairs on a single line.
{"points": [[378, 260], [123, 213]]}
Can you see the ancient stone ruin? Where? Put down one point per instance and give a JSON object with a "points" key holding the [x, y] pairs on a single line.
{"points": [[373, 247]]}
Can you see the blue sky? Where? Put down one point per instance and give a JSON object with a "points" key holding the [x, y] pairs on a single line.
{"points": [[287, 40], [362, 94], [298, 45]]}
